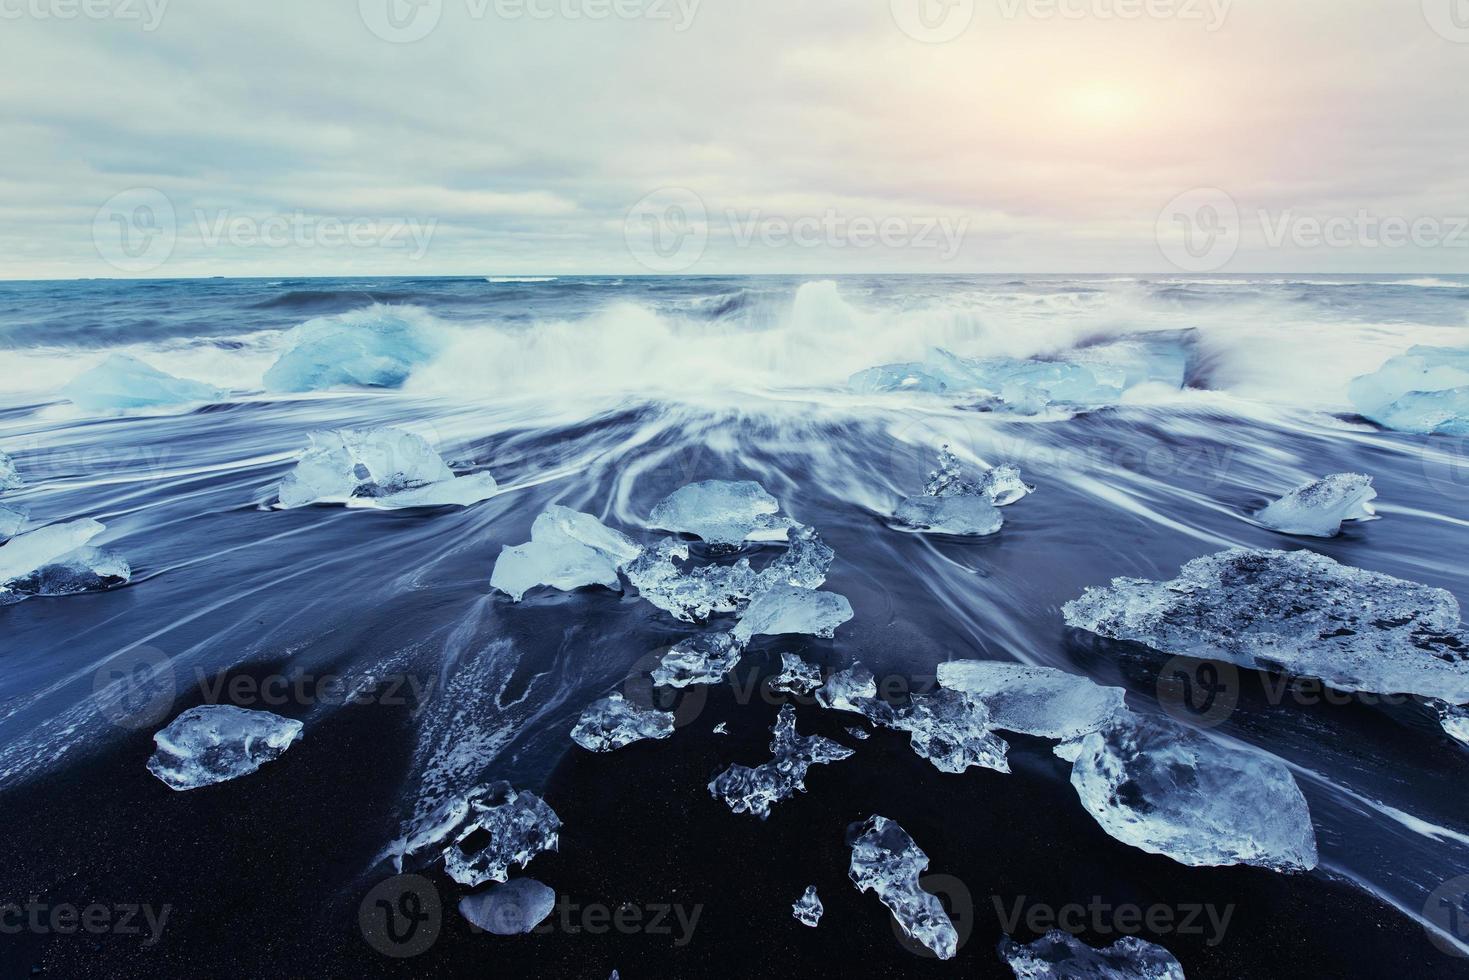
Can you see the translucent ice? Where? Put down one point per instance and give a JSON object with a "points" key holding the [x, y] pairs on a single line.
{"points": [[126, 382], [886, 861], [787, 609], [968, 516], [1425, 390], [217, 742], [459, 491], [510, 909], [848, 690], [9, 476], [1295, 611], [377, 347], [796, 676], [1061, 956], [613, 722], [702, 659], [860, 734], [1168, 790], [808, 908], [1040, 701], [722, 512], [394, 467], [481, 834], [951, 729], [747, 790], [1454, 719], [567, 550], [11, 521], [1003, 485], [1318, 509], [57, 560]]}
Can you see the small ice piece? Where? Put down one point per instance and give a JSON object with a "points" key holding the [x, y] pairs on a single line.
{"points": [[747, 790], [11, 521], [1318, 509], [796, 676], [963, 516], [1454, 719], [702, 659], [217, 742], [395, 467], [9, 476], [1425, 390], [1169, 790], [1003, 485], [722, 512], [510, 909], [125, 382], [848, 690], [885, 860], [948, 480], [951, 729], [788, 609], [376, 348], [613, 722], [808, 908], [481, 834], [459, 491], [1294, 611], [860, 734], [1040, 701], [721, 729], [567, 550], [1061, 956], [56, 560]]}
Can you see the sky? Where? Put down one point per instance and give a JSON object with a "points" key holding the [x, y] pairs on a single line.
{"points": [[166, 138]]}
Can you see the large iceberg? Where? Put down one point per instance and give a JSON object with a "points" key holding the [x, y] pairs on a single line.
{"points": [[756, 790], [808, 908], [722, 512], [702, 659], [513, 908], [57, 560], [125, 382], [392, 467], [1061, 956], [614, 722], [1040, 701], [1169, 790], [217, 742], [1317, 509], [377, 348], [885, 860], [788, 609], [567, 550], [481, 834], [1295, 611], [1425, 390], [9, 475]]}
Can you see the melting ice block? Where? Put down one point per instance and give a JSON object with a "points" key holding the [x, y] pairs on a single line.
{"points": [[481, 834], [567, 550], [217, 742], [951, 504], [1454, 719], [373, 348], [614, 722], [722, 512], [1425, 390], [126, 382], [787, 609], [1061, 956], [703, 659], [1168, 790], [394, 467], [1318, 509], [951, 729], [853, 689], [1040, 701], [1003, 485], [747, 790], [886, 861], [1297, 611], [796, 676], [56, 560], [808, 908], [9, 476], [510, 909], [11, 521]]}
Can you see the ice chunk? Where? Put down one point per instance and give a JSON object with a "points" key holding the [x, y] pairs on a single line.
{"points": [[948, 480], [482, 833], [968, 516], [395, 467], [787, 609], [1040, 701], [613, 722], [1003, 485], [721, 729], [808, 908], [703, 659], [885, 860], [56, 560], [126, 382], [722, 512], [1425, 390], [1318, 509], [510, 909], [9, 476], [567, 550], [848, 690], [1454, 719], [459, 491], [376, 348], [796, 676], [747, 790], [860, 734], [11, 521], [217, 742], [1168, 790], [951, 729], [1295, 611], [1061, 956]]}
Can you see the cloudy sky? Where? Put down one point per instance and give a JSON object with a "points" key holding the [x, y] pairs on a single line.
{"points": [[521, 137]]}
